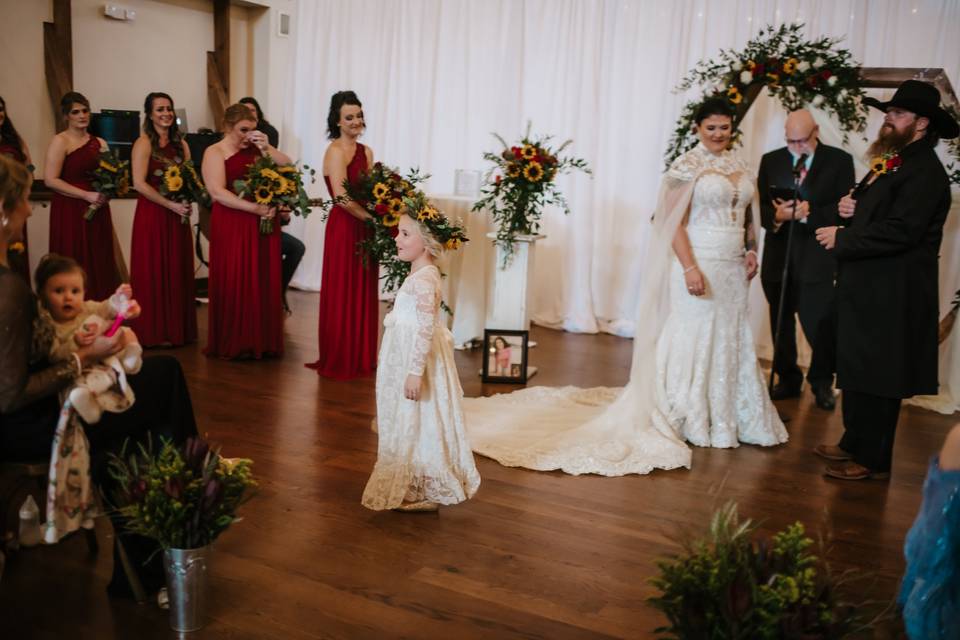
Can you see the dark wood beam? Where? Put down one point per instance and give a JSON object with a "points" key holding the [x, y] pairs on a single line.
{"points": [[58, 56], [218, 60]]}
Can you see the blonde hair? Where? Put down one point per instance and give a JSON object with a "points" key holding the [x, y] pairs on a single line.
{"points": [[15, 182], [433, 246], [237, 113]]}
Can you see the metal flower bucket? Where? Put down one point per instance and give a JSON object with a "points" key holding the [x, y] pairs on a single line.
{"points": [[187, 587]]}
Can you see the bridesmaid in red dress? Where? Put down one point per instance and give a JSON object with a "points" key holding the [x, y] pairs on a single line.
{"points": [[349, 310], [246, 307], [12, 145], [72, 155], [161, 252]]}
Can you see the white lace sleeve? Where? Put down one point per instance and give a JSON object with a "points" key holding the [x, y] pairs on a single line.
{"points": [[426, 290]]}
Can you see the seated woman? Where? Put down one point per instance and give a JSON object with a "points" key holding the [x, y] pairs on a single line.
{"points": [[29, 384]]}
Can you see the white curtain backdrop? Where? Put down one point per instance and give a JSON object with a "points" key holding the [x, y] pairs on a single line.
{"points": [[437, 76]]}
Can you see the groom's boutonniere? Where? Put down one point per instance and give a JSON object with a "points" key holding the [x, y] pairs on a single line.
{"points": [[888, 162]]}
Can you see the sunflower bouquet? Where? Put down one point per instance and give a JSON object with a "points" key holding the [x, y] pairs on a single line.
{"points": [[110, 178], [275, 185], [383, 193], [179, 181], [521, 183]]}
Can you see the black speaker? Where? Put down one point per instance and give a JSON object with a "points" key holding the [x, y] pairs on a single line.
{"points": [[198, 143], [119, 128]]}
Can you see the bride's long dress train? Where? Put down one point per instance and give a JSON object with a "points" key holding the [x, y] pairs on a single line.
{"points": [[694, 375]]}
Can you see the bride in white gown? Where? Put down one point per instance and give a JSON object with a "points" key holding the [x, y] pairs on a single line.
{"points": [[694, 374]]}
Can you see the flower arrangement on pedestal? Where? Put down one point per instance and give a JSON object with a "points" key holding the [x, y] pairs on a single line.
{"points": [[521, 183], [795, 71], [733, 584]]}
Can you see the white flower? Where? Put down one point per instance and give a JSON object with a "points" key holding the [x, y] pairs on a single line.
{"points": [[817, 100], [746, 77], [819, 62], [843, 93], [736, 66], [832, 81], [802, 66]]}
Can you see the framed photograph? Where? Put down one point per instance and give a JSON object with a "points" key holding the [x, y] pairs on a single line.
{"points": [[505, 356]]}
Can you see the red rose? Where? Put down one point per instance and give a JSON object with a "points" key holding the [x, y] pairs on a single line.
{"points": [[381, 209], [758, 71], [826, 73], [497, 180], [894, 162], [517, 152]]}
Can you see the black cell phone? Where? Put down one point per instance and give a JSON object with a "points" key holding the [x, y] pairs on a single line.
{"points": [[783, 193]]}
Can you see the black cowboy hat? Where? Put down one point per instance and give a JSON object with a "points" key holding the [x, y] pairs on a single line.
{"points": [[924, 100]]}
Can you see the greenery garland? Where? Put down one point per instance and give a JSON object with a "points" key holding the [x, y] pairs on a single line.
{"points": [[794, 71]]}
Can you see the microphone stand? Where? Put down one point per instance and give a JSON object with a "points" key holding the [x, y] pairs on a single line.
{"points": [[784, 275]]}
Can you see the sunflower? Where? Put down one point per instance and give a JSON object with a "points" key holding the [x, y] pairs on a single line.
{"points": [[380, 191], [112, 168], [528, 152], [287, 168], [533, 172], [428, 212], [790, 66], [263, 195], [513, 170], [878, 165], [734, 95], [395, 207], [16, 247], [282, 185], [269, 173], [453, 244], [123, 185], [391, 219], [174, 183]]}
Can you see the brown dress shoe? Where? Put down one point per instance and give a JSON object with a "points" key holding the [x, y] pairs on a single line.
{"points": [[854, 471], [831, 452]]}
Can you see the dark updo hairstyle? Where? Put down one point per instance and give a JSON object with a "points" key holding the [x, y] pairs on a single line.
{"points": [[53, 264], [250, 101], [8, 133], [151, 131], [713, 107], [71, 98], [339, 99]]}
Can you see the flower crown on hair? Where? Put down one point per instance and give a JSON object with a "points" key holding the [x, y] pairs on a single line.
{"points": [[451, 235]]}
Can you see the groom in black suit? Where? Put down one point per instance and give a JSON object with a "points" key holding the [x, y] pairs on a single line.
{"points": [[826, 175]]}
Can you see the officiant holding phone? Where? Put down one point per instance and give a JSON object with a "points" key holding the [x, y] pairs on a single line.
{"points": [[822, 175]]}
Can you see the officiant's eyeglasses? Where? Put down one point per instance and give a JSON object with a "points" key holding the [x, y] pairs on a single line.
{"points": [[802, 140]]}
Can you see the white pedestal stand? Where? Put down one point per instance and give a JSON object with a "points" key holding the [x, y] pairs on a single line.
{"points": [[508, 304]]}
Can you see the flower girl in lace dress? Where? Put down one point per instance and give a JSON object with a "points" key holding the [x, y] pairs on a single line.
{"points": [[423, 457]]}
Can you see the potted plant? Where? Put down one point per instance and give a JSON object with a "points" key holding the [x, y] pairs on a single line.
{"points": [[183, 497], [733, 584]]}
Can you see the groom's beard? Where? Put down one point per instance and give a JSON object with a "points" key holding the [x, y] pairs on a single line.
{"points": [[889, 140]]}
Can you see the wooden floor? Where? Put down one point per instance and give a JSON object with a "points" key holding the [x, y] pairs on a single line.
{"points": [[533, 555]]}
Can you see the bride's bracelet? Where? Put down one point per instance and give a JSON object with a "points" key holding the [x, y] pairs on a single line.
{"points": [[689, 269]]}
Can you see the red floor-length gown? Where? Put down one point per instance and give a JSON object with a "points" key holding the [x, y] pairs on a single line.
{"points": [[348, 293], [89, 242], [246, 306], [19, 262], [161, 267]]}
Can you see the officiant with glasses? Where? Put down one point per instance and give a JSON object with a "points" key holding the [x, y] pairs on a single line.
{"points": [[825, 175]]}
